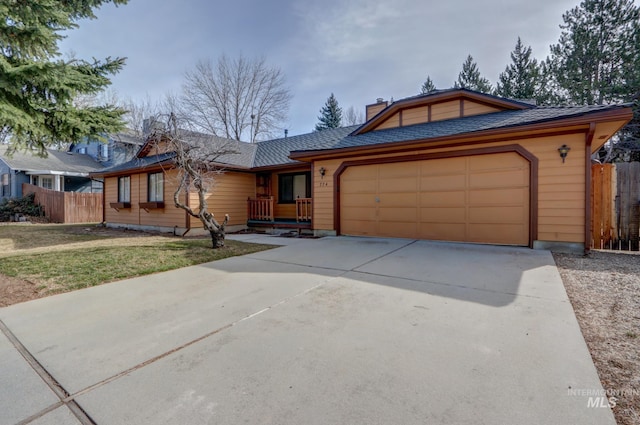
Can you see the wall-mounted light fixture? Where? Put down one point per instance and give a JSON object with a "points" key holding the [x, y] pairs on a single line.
{"points": [[564, 150], [322, 171]]}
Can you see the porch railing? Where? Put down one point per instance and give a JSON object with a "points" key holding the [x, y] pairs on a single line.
{"points": [[260, 209], [304, 208]]}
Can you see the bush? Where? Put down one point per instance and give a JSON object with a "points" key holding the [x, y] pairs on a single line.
{"points": [[24, 206]]}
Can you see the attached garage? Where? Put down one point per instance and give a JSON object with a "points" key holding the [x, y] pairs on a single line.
{"points": [[480, 197]]}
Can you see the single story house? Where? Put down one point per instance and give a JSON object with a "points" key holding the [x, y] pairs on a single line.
{"points": [[60, 171], [452, 165]]}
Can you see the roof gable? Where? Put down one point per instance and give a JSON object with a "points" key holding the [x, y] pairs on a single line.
{"points": [[438, 105]]}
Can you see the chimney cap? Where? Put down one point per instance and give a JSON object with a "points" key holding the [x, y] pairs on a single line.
{"points": [[379, 100]]}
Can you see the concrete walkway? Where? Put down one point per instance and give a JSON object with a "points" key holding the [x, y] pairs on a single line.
{"points": [[328, 331]]}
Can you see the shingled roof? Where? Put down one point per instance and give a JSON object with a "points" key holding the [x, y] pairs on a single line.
{"points": [[276, 152], [137, 164], [65, 163], [462, 126]]}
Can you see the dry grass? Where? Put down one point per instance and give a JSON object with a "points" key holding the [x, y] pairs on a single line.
{"points": [[40, 260], [604, 289]]}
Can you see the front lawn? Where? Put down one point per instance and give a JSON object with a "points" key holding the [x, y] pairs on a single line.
{"points": [[55, 258]]}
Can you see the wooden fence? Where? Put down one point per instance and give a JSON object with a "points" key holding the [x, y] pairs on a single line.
{"points": [[67, 207], [615, 206]]}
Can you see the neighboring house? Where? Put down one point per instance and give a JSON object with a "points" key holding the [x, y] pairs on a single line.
{"points": [[117, 149], [453, 165], [61, 171]]}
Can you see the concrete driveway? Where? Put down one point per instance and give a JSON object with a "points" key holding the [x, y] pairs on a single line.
{"points": [[329, 331]]}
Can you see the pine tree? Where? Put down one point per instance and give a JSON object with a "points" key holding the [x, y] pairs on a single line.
{"points": [[470, 78], [596, 61], [38, 87], [330, 115], [522, 78], [427, 86], [597, 40]]}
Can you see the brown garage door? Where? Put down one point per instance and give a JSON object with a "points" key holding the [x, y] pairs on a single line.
{"points": [[482, 198]]}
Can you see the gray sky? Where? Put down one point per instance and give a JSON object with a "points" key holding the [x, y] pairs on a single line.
{"points": [[357, 49]]}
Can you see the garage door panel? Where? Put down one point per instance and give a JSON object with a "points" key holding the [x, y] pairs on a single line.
{"points": [[442, 199], [360, 227], [496, 179], [358, 186], [487, 215], [392, 185], [482, 198], [368, 214], [398, 214], [443, 215], [512, 234], [494, 161], [398, 230], [504, 197], [359, 200], [366, 172], [442, 232], [402, 199], [446, 166], [400, 169], [440, 183]]}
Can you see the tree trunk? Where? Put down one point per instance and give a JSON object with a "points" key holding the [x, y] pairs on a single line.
{"points": [[217, 238]]}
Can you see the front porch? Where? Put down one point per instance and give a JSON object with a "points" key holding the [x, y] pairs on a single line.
{"points": [[261, 213]]}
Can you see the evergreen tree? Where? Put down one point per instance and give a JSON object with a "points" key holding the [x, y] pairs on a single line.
{"points": [[427, 86], [522, 78], [330, 115], [596, 61], [598, 38], [470, 78], [38, 87]]}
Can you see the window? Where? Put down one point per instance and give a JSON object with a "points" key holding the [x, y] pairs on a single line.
{"points": [[104, 151], [4, 182], [46, 182], [124, 189], [293, 186], [156, 188]]}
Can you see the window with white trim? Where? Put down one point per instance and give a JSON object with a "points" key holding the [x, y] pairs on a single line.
{"points": [[46, 182], [124, 189], [4, 182], [155, 191]]}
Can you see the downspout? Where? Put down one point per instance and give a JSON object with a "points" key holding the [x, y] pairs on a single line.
{"points": [[587, 187]]}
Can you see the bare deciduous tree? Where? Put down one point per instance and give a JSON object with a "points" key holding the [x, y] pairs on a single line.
{"points": [[138, 112], [352, 116], [237, 98], [197, 161]]}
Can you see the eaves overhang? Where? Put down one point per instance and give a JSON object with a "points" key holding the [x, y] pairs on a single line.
{"points": [[579, 123]]}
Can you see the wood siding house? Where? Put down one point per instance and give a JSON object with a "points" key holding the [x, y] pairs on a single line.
{"points": [[453, 165]]}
